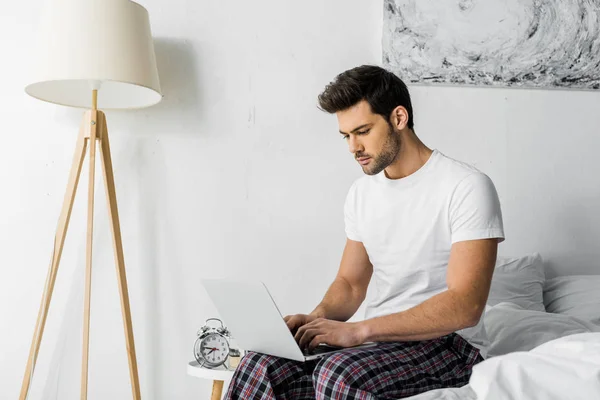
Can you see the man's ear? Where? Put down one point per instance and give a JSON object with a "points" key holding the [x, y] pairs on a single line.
{"points": [[399, 117]]}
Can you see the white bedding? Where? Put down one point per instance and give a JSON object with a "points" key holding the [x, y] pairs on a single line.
{"points": [[564, 368], [533, 354], [463, 393]]}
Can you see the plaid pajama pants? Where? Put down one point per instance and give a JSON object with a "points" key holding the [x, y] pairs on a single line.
{"points": [[391, 370]]}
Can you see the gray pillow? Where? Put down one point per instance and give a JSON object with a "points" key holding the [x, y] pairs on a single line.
{"points": [[577, 295], [519, 280], [511, 328]]}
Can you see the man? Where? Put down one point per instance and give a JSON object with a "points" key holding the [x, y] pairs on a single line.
{"points": [[426, 228]]}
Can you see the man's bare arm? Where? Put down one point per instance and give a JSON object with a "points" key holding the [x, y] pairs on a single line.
{"points": [[348, 290], [469, 276]]}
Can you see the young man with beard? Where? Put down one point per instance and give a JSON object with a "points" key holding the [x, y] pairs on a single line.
{"points": [[425, 229]]}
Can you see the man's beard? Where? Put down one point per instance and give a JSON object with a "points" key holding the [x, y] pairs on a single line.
{"points": [[391, 149]]}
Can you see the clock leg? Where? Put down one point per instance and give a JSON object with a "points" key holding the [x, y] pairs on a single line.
{"points": [[217, 390]]}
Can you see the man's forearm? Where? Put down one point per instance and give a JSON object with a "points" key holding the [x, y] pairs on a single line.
{"points": [[340, 302], [440, 315]]}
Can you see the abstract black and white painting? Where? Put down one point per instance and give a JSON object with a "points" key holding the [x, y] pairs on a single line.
{"points": [[524, 43]]}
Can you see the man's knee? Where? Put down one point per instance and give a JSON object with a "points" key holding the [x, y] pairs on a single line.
{"points": [[256, 362], [334, 370]]}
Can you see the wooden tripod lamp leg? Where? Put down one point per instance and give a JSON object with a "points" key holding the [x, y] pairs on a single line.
{"points": [[59, 241], [93, 127], [88, 256], [217, 390], [109, 183]]}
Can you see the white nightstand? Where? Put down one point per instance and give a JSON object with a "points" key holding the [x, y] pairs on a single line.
{"points": [[218, 376]]}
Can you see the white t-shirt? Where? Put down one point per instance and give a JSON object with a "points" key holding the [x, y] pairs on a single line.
{"points": [[408, 226]]}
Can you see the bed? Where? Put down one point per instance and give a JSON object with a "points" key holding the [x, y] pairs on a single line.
{"points": [[542, 337]]}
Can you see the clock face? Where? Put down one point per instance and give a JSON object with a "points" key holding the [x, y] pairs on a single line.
{"points": [[214, 349]]}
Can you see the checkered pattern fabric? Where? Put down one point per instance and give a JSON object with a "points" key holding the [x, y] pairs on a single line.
{"points": [[391, 370]]}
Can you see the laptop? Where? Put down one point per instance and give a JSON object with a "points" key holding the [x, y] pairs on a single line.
{"points": [[251, 315]]}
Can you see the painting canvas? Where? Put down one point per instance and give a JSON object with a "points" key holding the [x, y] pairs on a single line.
{"points": [[522, 43]]}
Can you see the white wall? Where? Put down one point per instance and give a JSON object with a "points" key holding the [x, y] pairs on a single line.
{"points": [[540, 148], [237, 172]]}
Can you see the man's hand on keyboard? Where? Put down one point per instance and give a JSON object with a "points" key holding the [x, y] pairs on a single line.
{"points": [[297, 320], [333, 333]]}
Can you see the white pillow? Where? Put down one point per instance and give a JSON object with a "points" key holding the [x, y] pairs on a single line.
{"points": [[520, 281], [578, 296], [511, 328]]}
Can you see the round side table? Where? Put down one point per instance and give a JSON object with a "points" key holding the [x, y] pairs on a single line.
{"points": [[218, 376]]}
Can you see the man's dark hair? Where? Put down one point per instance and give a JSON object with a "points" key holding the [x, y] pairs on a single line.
{"points": [[383, 90]]}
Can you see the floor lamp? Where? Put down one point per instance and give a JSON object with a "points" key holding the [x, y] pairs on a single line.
{"points": [[92, 52]]}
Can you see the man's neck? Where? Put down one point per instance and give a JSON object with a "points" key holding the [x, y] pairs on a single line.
{"points": [[412, 156]]}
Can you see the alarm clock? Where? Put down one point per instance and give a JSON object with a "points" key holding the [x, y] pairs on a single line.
{"points": [[211, 348]]}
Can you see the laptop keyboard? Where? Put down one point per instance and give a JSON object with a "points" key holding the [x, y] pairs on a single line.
{"points": [[320, 349]]}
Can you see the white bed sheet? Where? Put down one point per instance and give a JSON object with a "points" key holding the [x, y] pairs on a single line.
{"points": [[564, 368], [463, 393]]}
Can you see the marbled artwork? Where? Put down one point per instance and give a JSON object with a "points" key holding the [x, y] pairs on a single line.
{"points": [[524, 43]]}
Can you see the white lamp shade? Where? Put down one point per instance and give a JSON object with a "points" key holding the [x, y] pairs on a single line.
{"points": [[86, 42]]}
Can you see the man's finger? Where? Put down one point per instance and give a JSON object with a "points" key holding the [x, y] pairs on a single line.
{"points": [[292, 327], [317, 340], [292, 323], [300, 331], [307, 336], [302, 328]]}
